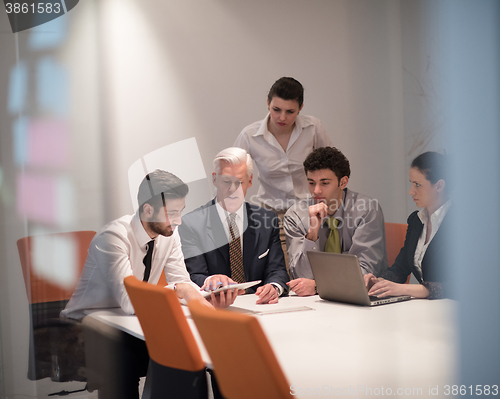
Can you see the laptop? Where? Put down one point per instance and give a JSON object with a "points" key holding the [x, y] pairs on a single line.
{"points": [[339, 278]]}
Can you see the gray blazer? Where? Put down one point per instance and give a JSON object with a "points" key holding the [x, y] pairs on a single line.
{"points": [[361, 230]]}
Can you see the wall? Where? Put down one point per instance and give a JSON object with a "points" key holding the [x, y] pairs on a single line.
{"points": [[171, 73], [424, 78]]}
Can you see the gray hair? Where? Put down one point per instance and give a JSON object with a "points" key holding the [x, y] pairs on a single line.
{"points": [[158, 186], [233, 156]]}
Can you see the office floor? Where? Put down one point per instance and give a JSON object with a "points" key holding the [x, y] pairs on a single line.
{"points": [[46, 386]]}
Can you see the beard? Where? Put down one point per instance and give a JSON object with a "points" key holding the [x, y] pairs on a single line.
{"points": [[161, 229]]}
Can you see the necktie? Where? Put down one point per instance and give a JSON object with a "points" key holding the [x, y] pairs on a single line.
{"points": [[147, 260], [333, 240], [235, 255]]}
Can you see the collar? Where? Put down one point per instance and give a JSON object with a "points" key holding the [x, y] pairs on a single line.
{"points": [[437, 217], [339, 213], [223, 214], [140, 234], [262, 130], [300, 123]]}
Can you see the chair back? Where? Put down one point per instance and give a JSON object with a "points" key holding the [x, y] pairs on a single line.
{"points": [[163, 280], [70, 247], [52, 265], [395, 234], [243, 361], [168, 336]]}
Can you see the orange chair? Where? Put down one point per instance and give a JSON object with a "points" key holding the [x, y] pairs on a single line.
{"points": [[163, 280], [256, 373], [395, 234], [176, 367], [55, 344], [39, 289]]}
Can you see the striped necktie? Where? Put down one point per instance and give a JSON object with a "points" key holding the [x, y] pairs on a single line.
{"points": [[235, 255]]}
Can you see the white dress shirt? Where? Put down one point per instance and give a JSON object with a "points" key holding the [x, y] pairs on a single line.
{"points": [[116, 252], [281, 174], [436, 220], [226, 219]]}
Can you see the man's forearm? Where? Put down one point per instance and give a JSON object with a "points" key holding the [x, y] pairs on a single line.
{"points": [[187, 292]]}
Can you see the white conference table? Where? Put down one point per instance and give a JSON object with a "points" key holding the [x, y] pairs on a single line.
{"points": [[402, 349]]}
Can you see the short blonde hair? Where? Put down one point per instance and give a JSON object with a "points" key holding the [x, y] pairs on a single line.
{"points": [[233, 156]]}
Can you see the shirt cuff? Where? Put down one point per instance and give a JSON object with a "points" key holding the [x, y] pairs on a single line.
{"points": [[309, 245], [279, 288], [172, 286]]}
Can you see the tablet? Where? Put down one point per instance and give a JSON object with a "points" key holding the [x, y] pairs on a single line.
{"points": [[240, 286]]}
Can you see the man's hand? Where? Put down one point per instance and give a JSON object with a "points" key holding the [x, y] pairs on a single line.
{"points": [[216, 281], [370, 280], [219, 300], [267, 294], [188, 293], [303, 286], [223, 299], [316, 214]]}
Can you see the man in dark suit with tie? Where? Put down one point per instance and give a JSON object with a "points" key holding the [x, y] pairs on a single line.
{"points": [[228, 240]]}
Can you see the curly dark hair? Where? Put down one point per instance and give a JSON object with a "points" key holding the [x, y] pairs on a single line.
{"points": [[328, 158]]}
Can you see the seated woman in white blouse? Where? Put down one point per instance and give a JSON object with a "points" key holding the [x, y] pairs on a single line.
{"points": [[279, 145], [423, 253]]}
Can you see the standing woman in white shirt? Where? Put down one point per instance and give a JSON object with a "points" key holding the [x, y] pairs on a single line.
{"points": [[424, 252], [279, 145]]}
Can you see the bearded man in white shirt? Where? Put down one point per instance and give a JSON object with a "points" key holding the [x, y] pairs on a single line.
{"points": [[121, 249]]}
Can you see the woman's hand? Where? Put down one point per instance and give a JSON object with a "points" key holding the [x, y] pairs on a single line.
{"points": [[370, 280], [384, 288]]}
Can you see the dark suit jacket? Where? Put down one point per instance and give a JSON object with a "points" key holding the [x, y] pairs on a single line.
{"points": [[206, 247], [434, 263]]}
